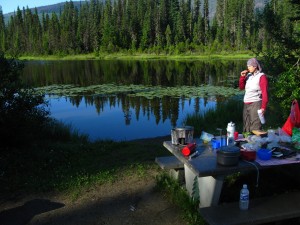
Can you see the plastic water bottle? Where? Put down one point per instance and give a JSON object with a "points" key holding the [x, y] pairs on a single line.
{"points": [[244, 198], [261, 116]]}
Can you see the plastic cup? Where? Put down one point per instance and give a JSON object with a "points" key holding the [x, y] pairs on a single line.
{"points": [[236, 135]]}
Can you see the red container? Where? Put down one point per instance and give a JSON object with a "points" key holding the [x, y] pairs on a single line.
{"points": [[236, 135], [248, 155], [188, 149]]}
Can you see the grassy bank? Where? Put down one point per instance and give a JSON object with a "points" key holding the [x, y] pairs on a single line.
{"points": [[141, 56], [75, 165]]}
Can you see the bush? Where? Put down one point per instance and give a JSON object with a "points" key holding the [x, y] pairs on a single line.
{"points": [[287, 88], [22, 114]]}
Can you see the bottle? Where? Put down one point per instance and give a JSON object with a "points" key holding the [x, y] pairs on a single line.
{"points": [[230, 129], [230, 133], [261, 116], [189, 149], [230, 141], [244, 198]]}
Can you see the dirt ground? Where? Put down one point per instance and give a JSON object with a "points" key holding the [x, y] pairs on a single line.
{"points": [[131, 201]]}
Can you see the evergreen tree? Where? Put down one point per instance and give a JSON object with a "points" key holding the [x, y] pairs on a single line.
{"points": [[2, 32], [206, 21], [168, 34], [45, 34], [68, 25], [108, 35], [281, 41], [144, 24], [197, 24], [162, 23], [54, 35]]}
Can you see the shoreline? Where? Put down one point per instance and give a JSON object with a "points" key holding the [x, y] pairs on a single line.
{"points": [[120, 56]]}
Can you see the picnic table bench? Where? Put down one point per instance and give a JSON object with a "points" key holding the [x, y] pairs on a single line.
{"points": [[204, 173]]}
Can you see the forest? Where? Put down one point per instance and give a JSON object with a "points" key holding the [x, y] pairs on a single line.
{"points": [[147, 26]]}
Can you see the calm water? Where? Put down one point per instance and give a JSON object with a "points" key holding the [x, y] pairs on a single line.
{"points": [[121, 117]]}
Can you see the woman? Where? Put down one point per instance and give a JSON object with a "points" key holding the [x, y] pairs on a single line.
{"points": [[255, 83]]}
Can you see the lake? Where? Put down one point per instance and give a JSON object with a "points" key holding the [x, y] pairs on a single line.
{"points": [[114, 114]]}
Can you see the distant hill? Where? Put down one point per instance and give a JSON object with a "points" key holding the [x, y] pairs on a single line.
{"points": [[56, 8], [48, 9]]}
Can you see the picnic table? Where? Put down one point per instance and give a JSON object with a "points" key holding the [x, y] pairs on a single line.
{"points": [[205, 177], [205, 170]]}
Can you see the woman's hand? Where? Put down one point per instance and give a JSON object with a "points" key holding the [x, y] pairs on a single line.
{"points": [[244, 72]]}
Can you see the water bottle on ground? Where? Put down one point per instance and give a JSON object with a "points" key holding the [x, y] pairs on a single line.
{"points": [[244, 198]]}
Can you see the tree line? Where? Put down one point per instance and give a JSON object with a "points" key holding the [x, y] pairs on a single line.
{"points": [[160, 26]]}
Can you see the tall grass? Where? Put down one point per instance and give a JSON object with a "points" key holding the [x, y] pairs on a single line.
{"points": [[65, 161], [225, 112]]}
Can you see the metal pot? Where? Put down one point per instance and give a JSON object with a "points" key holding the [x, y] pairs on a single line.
{"points": [[228, 156], [182, 135]]}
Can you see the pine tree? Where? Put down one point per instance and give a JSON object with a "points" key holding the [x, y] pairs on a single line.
{"points": [[197, 23], [68, 25], [2, 32], [108, 35], [206, 21], [54, 35]]}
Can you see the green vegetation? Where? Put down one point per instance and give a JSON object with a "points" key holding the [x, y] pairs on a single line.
{"points": [[75, 165], [225, 111], [143, 56], [178, 195], [149, 92], [152, 27], [21, 113]]}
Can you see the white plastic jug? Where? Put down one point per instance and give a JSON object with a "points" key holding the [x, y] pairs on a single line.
{"points": [[230, 129]]}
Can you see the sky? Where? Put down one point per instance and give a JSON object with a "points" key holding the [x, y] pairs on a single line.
{"points": [[12, 5]]}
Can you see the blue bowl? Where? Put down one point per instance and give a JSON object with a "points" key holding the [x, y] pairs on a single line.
{"points": [[216, 143], [264, 154]]}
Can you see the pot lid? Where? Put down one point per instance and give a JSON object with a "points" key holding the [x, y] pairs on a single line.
{"points": [[185, 128], [230, 149]]}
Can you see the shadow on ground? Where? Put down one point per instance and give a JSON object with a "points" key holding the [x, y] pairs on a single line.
{"points": [[24, 213]]}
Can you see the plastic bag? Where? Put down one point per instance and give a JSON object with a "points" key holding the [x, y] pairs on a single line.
{"points": [[206, 137], [272, 137], [283, 136], [296, 138], [251, 146]]}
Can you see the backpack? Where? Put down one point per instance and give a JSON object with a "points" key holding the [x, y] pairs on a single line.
{"points": [[293, 120], [295, 113]]}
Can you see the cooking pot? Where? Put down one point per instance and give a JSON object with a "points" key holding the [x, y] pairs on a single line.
{"points": [[182, 135], [228, 156]]}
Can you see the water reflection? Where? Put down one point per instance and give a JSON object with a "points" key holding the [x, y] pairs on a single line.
{"points": [[146, 72], [121, 117], [125, 118]]}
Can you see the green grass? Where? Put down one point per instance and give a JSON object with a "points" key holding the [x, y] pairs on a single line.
{"points": [[75, 165], [225, 112], [178, 195], [141, 56]]}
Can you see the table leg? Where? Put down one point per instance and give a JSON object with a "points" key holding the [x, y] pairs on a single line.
{"points": [[207, 189]]}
